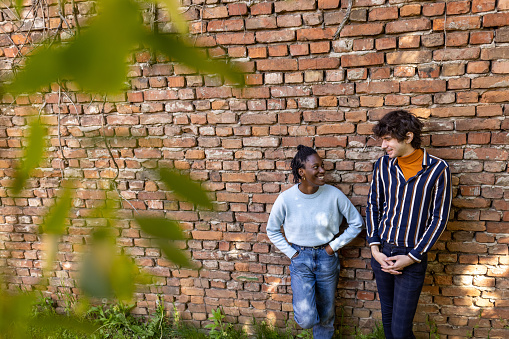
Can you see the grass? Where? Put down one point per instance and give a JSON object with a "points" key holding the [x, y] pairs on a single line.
{"points": [[117, 322]]}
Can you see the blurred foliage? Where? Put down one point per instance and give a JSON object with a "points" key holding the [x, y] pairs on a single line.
{"points": [[97, 60], [32, 156]]}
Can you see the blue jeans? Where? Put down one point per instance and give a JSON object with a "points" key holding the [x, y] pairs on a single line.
{"points": [[399, 294], [314, 281]]}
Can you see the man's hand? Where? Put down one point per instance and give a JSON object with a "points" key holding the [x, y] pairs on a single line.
{"points": [[388, 265], [397, 263]]}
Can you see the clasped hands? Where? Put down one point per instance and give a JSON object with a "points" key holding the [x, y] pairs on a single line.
{"points": [[394, 264]]}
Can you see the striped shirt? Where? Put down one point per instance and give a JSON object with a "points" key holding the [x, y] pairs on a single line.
{"points": [[410, 213]]}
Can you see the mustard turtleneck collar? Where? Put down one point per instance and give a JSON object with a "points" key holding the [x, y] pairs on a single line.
{"points": [[412, 163]]}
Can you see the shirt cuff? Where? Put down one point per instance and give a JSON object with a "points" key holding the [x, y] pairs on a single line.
{"points": [[415, 255], [373, 241], [291, 252]]}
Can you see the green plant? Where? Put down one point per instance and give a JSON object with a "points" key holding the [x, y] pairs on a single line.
{"points": [[433, 330], [376, 333], [470, 334], [306, 334], [222, 330], [267, 331]]}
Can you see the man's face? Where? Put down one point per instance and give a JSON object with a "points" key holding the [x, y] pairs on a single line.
{"points": [[395, 148]]}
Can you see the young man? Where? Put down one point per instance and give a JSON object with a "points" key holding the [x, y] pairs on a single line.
{"points": [[408, 208]]}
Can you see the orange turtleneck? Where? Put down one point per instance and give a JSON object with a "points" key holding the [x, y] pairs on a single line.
{"points": [[412, 163]]}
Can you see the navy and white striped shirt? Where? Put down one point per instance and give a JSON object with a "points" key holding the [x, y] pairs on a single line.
{"points": [[410, 213]]}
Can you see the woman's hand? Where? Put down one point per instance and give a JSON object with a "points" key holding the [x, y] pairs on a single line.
{"points": [[329, 250]]}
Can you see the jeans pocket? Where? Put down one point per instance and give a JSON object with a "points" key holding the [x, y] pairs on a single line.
{"points": [[330, 255], [295, 256]]}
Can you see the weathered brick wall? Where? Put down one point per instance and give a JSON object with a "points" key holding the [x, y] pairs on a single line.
{"points": [[447, 62]]}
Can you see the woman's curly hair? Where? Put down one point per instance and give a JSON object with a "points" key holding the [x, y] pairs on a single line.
{"points": [[298, 161]]}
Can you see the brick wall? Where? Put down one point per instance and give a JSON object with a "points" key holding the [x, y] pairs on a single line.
{"points": [[447, 62]]}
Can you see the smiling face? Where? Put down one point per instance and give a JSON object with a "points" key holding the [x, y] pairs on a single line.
{"points": [[313, 173], [396, 148]]}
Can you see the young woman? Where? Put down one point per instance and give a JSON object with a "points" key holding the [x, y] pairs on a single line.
{"points": [[311, 213]]}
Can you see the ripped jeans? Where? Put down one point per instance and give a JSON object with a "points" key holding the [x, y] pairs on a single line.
{"points": [[315, 276]]}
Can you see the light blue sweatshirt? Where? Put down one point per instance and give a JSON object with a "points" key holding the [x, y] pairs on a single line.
{"points": [[312, 219]]}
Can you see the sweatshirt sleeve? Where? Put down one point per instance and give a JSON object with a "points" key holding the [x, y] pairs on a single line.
{"points": [[276, 219], [354, 220]]}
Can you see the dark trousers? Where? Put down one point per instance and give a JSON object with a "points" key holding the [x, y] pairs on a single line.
{"points": [[399, 294]]}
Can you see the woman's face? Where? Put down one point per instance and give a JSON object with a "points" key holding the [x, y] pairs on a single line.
{"points": [[313, 172]]}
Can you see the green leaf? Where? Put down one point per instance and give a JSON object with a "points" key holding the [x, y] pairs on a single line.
{"points": [[15, 310], [50, 323], [96, 59], [55, 219], [174, 254], [94, 280], [122, 275], [161, 228], [191, 56], [32, 156], [184, 187]]}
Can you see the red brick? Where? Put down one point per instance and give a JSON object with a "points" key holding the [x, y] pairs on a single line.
{"points": [[433, 9], [482, 6], [385, 43], [495, 53], [495, 96], [423, 86], [378, 87], [275, 36], [290, 20], [308, 34], [383, 13], [237, 9], [478, 124], [245, 38], [328, 4], [410, 57], [261, 8], [500, 138], [453, 111], [410, 25], [478, 67], [457, 23], [496, 19], [456, 54], [225, 25], [319, 47], [369, 59], [318, 63], [362, 30], [277, 65], [339, 89], [261, 23], [458, 7], [299, 49], [478, 38], [293, 6], [215, 12]]}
